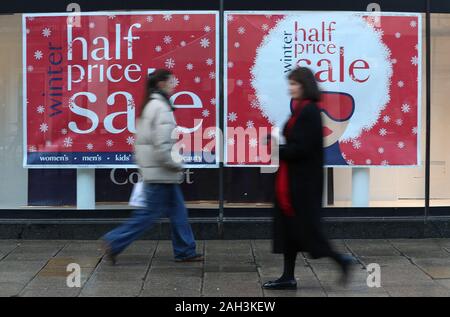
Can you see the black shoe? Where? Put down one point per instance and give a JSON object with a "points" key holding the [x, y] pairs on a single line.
{"points": [[196, 258], [346, 262], [277, 285]]}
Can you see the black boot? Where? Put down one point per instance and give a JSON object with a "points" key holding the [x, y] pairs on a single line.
{"points": [[281, 284]]}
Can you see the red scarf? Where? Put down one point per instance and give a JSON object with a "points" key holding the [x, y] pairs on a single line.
{"points": [[282, 188]]}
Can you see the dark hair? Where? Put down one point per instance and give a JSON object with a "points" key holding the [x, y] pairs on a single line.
{"points": [[153, 79], [305, 77]]}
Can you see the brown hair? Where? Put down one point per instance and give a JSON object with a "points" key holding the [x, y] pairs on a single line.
{"points": [[305, 77]]}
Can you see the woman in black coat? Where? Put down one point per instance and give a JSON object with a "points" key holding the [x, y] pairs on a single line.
{"points": [[299, 184]]}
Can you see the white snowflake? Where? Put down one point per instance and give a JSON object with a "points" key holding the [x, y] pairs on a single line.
{"points": [[237, 44], [239, 82], [232, 116], [350, 162], [386, 119], [30, 18], [231, 141], [383, 132], [30, 68], [68, 142], [394, 61], [213, 101], [209, 61], [416, 47], [253, 142], [109, 143], [368, 161], [401, 84], [406, 108], [211, 134], [230, 18], [385, 162], [268, 16], [175, 82], [28, 31], [207, 28], [212, 75], [264, 27], [380, 150], [254, 103], [413, 24], [167, 39], [149, 19], [344, 156], [250, 124], [170, 63], [92, 25], [64, 131], [111, 17], [401, 145], [398, 35], [43, 127], [130, 140], [189, 66], [46, 32], [399, 122], [38, 55], [230, 64], [356, 144], [40, 109], [158, 48], [415, 60], [186, 17], [414, 130], [183, 43], [90, 146], [204, 43], [197, 80], [241, 30], [32, 148], [205, 113], [167, 17]]}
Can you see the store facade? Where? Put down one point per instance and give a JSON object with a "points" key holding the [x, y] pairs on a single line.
{"points": [[71, 85]]}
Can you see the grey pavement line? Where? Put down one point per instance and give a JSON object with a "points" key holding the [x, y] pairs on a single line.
{"points": [[202, 284], [8, 253], [148, 268], [252, 246], [354, 254], [315, 275], [40, 270]]}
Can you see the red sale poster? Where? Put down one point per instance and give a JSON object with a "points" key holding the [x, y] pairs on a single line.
{"points": [[368, 66], [85, 77]]}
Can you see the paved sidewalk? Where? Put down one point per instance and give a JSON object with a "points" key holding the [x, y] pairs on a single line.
{"points": [[231, 268]]}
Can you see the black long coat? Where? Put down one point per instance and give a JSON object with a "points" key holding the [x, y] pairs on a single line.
{"points": [[303, 153]]}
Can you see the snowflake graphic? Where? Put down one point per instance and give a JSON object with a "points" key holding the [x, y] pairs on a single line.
{"points": [[383, 132], [175, 82], [213, 101], [32, 148], [230, 18], [350, 162], [414, 130], [30, 68], [209, 61], [149, 19], [64, 131], [92, 25], [250, 124], [130, 140], [231, 141], [111, 17], [239, 82], [90, 146], [401, 145], [401, 84], [356, 144], [40, 109], [167, 17], [205, 113], [368, 161], [167, 39], [28, 31], [232, 116], [186, 17], [406, 108], [385, 162], [197, 80], [170, 63], [413, 24], [68, 142], [254, 103], [189, 66], [211, 134], [212, 75], [416, 47], [398, 35], [109, 143], [394, 61], [380, 150], [158, 48], [241, 30], [43, 127], [183, 43], [38, 55], [344, 156], [415, 60], [230, 64], [30, 18], [207, 28], [237, 44], [253, 143], [268, 16], [204, 43], [264, 27], [46, 32], [399, 122], [386, 119]]}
